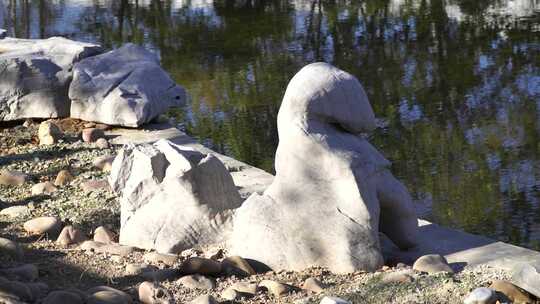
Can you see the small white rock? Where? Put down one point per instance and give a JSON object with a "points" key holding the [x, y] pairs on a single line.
{"points": [[334, 300]]}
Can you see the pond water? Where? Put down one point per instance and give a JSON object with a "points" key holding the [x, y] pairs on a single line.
{"points": [[455, 84]]}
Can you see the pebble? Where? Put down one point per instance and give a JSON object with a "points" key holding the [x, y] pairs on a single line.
{"points": [[63, 178], [160, 275], [104, 163], [43, 188], [481, 295], [102, 143], [104, 235], [152, 293], [16, 289], [64, 297], [137, 269], [243, 287], [15, 211], [334, 300], [107, 295], [197, 281], [42, 225], [512, 292], [313, 285], [71, 235], [90, 135], [231, 294], [432, 263], [11, 248], [49, 133], [196, 265], [236, 265], [12, 178], [94, 185], [26, 272], [38, 290], [156, 257], [275, 288], [403, 276], [204, 299]]}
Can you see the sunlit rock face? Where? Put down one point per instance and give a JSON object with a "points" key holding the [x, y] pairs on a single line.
{"points": [[172, 197], [35, 76], [332, 191], [124, 87]]}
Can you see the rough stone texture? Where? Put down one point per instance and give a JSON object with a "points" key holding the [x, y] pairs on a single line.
{"points": [[43, 188], [332, 189], [527, 277], [63, 178], [49, 133], [481, 295], [26, 273], [152, 293], [42, 225], [10, 248], [91, 135], [12, 178], [36, 74], [235, 265], [71, 235], [432, 263], [15, 211], [172, 197], [124, 87], [512, 292], [196, 265], [104, 235], [197, 281]]}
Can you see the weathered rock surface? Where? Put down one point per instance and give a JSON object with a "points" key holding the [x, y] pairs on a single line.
{"points": [[43, 188], [64, 297], [104, 235], [152, 293], [512, 292], [107, 295], [71, 235], [10, 248], [332, 190], [527, 277], [202, 266], [12, 178], [172, 197], [334, 300], [36, 76], [432, 263], [91, 135], [42, 225], [63, 178], [197, 281], [481, 295], [124, 87], [15, 211], [49, 133], [26, 273], [236, 265]]}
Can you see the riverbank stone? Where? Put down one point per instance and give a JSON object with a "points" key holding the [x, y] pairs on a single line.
{"points": [[125, 87], [36, 76], [432, 263], [333, 190], [172, 197], [527, 277]]}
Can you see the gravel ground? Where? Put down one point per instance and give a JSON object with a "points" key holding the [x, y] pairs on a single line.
{"points": [[65, 268]]}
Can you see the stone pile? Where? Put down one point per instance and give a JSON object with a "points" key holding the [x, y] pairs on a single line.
{"points": [[58, 77]]}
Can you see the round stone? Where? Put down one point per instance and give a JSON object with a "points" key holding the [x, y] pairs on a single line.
{"points": [[432, 263], [42, 225]]}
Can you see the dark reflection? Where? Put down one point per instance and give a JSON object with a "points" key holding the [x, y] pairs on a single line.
{"points": [[456, 84]]}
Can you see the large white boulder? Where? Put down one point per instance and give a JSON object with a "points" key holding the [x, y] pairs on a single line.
{"points": [[35, 76], [124, 87], [333, 190], [172, 197]]}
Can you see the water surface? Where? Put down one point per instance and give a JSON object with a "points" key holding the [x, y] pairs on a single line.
{"points": [[455, 84]]}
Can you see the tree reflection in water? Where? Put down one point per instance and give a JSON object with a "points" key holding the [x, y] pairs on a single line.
{"points": [[455, 83]]}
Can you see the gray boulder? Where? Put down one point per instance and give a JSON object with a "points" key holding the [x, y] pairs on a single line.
{"points": [[172, 197], [36, 74], [124, 87], [527, 277], [332, 191]]}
